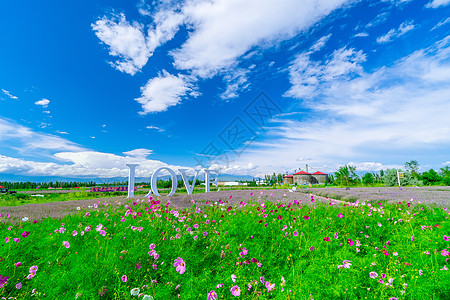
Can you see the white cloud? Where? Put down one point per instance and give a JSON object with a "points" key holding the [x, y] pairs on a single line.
{"points": [[320, 43], [225, 30], [125, 40], [7, 93], [441, 23], [155, 127], [395, 33], [26, 141], [138, 153], [361, 34], [380, 18], [61, 132], [437, 3], [163, 91], [372, 166], [446, 163], [85, 163], [400, 110], [236, 82], [43, 102], [306, 74]]}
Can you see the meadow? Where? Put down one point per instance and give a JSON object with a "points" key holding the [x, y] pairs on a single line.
{"points": [[257, 246]]}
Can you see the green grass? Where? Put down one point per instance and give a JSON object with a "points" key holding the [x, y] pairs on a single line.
{"points": [[277, 237]]}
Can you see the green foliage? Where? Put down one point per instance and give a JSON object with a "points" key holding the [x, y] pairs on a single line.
{"points": [[96, 261], [431, 177], [390, 178], [412, 166], [368, 179], [346, 175]]}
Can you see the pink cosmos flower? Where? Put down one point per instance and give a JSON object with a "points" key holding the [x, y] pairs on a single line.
{"points": [[336, 235], [25, 234], [235, 290], [326, 239], [6, 239], [33, 269], [233, 277], [340, 215], [306, 218], [311, 248], [212, 295], [412, 238], [373, 274], [3, 280], [350, 242], [180, 265], [19, 285], [446, 238], [269, 286], [261, 279], [152, 246], [124, 278], [16, 240], [420, 272], [66, 244]]}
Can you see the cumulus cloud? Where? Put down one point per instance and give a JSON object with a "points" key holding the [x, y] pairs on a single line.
{"points": [[43, 102], [125, 40], [437, 3], [395, 33], [7, 93], [164, 91], [221, 34], [368, 115]]}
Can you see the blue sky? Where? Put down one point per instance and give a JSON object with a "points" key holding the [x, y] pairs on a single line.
{"points": [[246, 87]]}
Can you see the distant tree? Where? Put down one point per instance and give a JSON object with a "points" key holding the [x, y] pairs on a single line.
{"points": [[445, 171], [413, 167], [390, 178], [368, 178], [346, 175], [431, 177]]}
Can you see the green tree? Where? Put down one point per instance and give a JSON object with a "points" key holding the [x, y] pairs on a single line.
{"points": [[368, 178], [390, 178], [346, 175], [431, 177], [413, 167]]}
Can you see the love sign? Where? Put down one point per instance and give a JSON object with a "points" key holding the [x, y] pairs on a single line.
{"points": [[173, 176]]}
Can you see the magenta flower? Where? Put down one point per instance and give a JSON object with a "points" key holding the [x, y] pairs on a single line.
{"points": [[66, 244], [180, 265], [212, 295], [412, 238], [17, 264], [311, 248], [350, 242], [373, 274], [25, 234], [445, 252], [235, 290], [124, 278], [306, 218], [19, 285], [420, 272], [385, 252], [336, 235], [269, 286], [261, 279], [340, 215], [326, 239], [3, 280], [33, 269], [6, 239], [16, 240], [233, 277], [152, 246], [446, 238]]}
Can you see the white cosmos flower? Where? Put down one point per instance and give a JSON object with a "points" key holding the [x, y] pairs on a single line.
{"points": [[135, 292], [78, 208], [24, 219]]}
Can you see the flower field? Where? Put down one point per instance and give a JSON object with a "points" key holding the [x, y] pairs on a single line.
{"points": [[254, 247]]}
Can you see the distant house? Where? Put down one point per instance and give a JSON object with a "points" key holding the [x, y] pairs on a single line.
{"points": [[303, 177], [289, 179]]}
